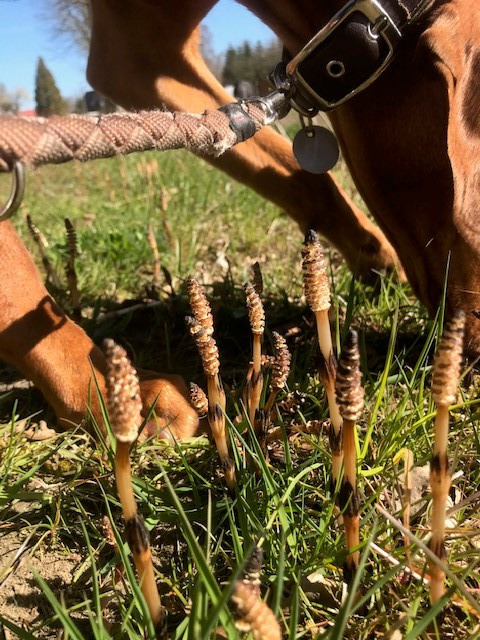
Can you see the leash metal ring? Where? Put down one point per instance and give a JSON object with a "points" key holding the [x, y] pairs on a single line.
{"points": [[16, 192]]}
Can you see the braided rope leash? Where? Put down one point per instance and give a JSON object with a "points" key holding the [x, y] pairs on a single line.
{"points": [[37, 141]]}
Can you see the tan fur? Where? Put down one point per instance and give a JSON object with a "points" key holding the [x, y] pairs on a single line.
{"points": [[54, 352]]}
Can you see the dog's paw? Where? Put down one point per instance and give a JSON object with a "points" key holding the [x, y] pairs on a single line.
{"points": [[173, 416]]}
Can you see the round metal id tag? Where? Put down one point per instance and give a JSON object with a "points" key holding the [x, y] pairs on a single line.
{"points": [[316, 149]]}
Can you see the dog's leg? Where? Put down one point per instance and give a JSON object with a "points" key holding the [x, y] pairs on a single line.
{"points": [[147, 54], [57, 355]]}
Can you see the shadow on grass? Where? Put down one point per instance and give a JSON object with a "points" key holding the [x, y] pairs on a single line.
{"points": [[156, 338]]}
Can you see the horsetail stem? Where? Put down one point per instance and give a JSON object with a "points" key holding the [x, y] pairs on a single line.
{"points": [[39, 239], [254, 615], [261, 427], [71, 273], [317, 293], [152, 241], [201, 329], [446, 372], [349, 393], [124, 406], [256, 316], [280, 368], [407, 503]]}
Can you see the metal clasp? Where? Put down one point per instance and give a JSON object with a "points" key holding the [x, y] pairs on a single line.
{"points": [[17, 192]]}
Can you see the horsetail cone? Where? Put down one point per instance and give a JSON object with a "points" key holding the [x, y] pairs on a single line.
{"points": [[256, 313], [257, 278], [315, 279], [206, 345], [199, 304], [254, 615], [72, 241], [448, 360], [253, 569], [199, 399], [348, 384], [123, 393], [281, 363]]}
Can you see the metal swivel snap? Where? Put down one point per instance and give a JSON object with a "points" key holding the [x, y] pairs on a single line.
{"points": [[16, 192]]}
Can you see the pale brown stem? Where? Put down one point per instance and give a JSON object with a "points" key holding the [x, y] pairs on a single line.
{"points": [[216, 418], [440, 486], [327, 375], [348, 500], [271, 400], [124, 481], [407, 496], [152, 241], [72, 282], [137, 534], [352, 540], [166, 226], [256, 382]]}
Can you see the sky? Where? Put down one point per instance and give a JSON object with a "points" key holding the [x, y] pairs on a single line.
{"points": [[24, 36]]}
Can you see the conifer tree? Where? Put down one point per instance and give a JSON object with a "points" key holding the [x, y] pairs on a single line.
{"points": [[48, 100]]}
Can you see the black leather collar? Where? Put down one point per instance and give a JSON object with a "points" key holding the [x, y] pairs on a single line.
{"points": [[407, 13], [348, 53]]}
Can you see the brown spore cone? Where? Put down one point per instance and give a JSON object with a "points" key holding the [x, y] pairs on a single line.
{"points": [[206, 345], [281, 363], [256, 313], [315, 279], [448, 361], [123, 393], [199, 304], [199, 399], [348, 384]]}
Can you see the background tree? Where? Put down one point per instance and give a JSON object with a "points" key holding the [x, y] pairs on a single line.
{"points": [[70, 21], [10, 100], [250, 63], [47, 96], [213, 60]]}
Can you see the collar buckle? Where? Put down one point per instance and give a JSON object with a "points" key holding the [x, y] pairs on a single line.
{"points": [[343, 58]]}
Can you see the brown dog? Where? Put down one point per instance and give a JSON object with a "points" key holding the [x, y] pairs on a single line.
{"points": [[54, 352], [410, 140]]}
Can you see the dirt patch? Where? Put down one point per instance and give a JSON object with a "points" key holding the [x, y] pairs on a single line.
{"points": [[22, 601]]}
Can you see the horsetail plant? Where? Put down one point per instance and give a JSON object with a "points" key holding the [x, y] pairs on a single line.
{"points": [[200, 327], [349, 393], [317, 293], [71, 273], [256, 316], [40, 241], [124, 408], [280, 369], [257, 278], [254, 615], [446, 372], [199, 400]]}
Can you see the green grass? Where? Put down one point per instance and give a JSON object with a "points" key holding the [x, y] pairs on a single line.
{"points": [[54, 495]]}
